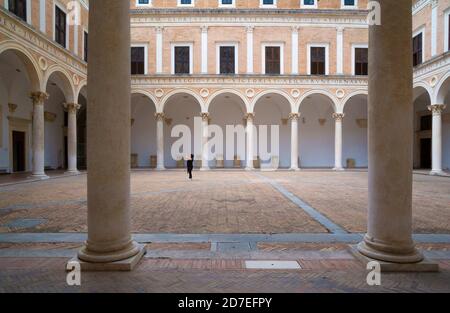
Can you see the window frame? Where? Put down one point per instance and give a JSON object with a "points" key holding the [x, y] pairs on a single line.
{"points": [[420, 30], [232, 5], [236, 56], [62, 8], [138, 5], [85, 57], [173, 45], [179, 4], [145, 46], [308, 6], [327, 56], [446, 30], [354, 47], [348, 7], [263, 56], [27, 10], [268, 6]]}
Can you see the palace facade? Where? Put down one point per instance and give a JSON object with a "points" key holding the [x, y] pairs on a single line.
{"points": [[299, 64]]}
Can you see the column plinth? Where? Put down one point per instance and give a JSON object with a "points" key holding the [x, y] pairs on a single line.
{"points": [[38, 98], [160, 117], [294, 140], [72, 109], [338, 118], [436, 155]]}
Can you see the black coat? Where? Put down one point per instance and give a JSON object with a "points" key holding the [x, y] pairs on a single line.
{"points": [[190, 164]]}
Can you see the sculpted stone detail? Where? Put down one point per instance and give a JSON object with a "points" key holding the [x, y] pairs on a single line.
{"points": [[205, 116], [294, 116], [160, 116], [159, 93], [338, 116], [249, 117], [39, 97], [43, 63], [340, 93], [437, 109], [204, 92], [12, 107], [72, 107], [250, 93], [295, 93]]}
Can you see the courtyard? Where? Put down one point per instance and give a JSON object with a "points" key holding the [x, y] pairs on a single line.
{"points": [[200, 234]]}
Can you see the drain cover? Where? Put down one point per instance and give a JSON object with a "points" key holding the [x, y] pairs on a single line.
{"points": [[272, 265]]}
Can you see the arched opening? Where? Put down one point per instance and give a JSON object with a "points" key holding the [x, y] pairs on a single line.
{"points": [[229, 109], [181, 108], [354, 132], [443, 97], [143, 131], [422, 129], [273, 109], [316, 131], [82, 130], [18, 78]]}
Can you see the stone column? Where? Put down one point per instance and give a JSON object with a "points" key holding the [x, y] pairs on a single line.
{"points": [[249, 117], [338, 117], [109, 245], [38, 99], [72, 109], [160, 140], [249, 30], [204, 60], [437, 138], [294, 140], [390, 131], [205, 153], [294, 70]]}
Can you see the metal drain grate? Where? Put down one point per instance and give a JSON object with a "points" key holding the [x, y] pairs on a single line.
{"points": [[272, 265]]}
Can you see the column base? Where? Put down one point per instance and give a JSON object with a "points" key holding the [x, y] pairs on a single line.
{"points": [[424, 265], [113, 261], [41, 176], [437, 173], [160, 169], [250, 169], [295, 169], [204, 169], [72, 172], [338, 169], [388, 253]]}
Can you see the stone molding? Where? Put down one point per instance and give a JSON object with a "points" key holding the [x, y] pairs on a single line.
{"points": [[39, 97], [437, 109], [72, 107], [160, 117], [338, 117], [294, 116]]}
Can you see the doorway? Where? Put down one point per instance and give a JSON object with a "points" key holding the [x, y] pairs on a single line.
{"points": [[425, 153], [18, 151]]}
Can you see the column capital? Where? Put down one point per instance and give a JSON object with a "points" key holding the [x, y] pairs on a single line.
{"points": [[71, 107], [437, 109], [340, 29], [159, 29], [250, 28], [295, 28], [204, 28], [38, 97], [249, 116], [338, 117], [434, 3], [205, 116], [160, 116], [294, 116]]}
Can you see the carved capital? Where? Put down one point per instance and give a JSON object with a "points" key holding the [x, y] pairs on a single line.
{"points": [[294, 116], [160, 116], [159, 29], [250, 29], [204, 28], [295, 28], [205, 116], [38, 97], [338, 117], [437, 109], [72, 107], [249, 116], [12, 107]]}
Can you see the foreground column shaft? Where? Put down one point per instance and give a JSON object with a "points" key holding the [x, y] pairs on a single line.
{"points": [[338, 117], [294, 140], [108, 130], [38, 99], [437, 138], [249, 130], [390, 142], [160, 141], [205, 152], [72, 109]]}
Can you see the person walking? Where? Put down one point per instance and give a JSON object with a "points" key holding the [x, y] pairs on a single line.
{"points": [[190, 166]]}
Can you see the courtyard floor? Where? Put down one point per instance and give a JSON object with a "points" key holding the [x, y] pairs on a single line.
{"points": [[200, 234]]}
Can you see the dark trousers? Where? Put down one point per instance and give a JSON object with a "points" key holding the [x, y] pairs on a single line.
{"points": [[190, 173]]}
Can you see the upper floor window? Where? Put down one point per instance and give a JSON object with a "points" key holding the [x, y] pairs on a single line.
{"points": [[273, 59], [85, 46], [227, 58], [308, 4], [143, 3], [318, 59], [447, 30], [182, 59], [268, 3], [361, 59], [186, 3], [418, 49], [60, 26], [19, 8], [227, 3], [138, 60], [349, 4]]}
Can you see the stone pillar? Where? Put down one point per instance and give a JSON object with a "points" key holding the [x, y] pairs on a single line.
{"points": [[249, 30], [340, 50], [434, 26], [38, 99], [437, 138], [294, 140], [72, 109], [205, 153], [390, 131], [160, 140], [204, 59], [294, 70], [249, 117], [159, 49], [109, 245], [338, 117]]}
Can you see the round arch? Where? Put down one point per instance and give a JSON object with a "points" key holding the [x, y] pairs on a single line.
{"points": [[67, 86], [224, 91], [421, 86], [335, 102], [271, 91], [147, 94], [351, 95], [167, 97], [34, 74], [442, 89], [82, 84]]}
